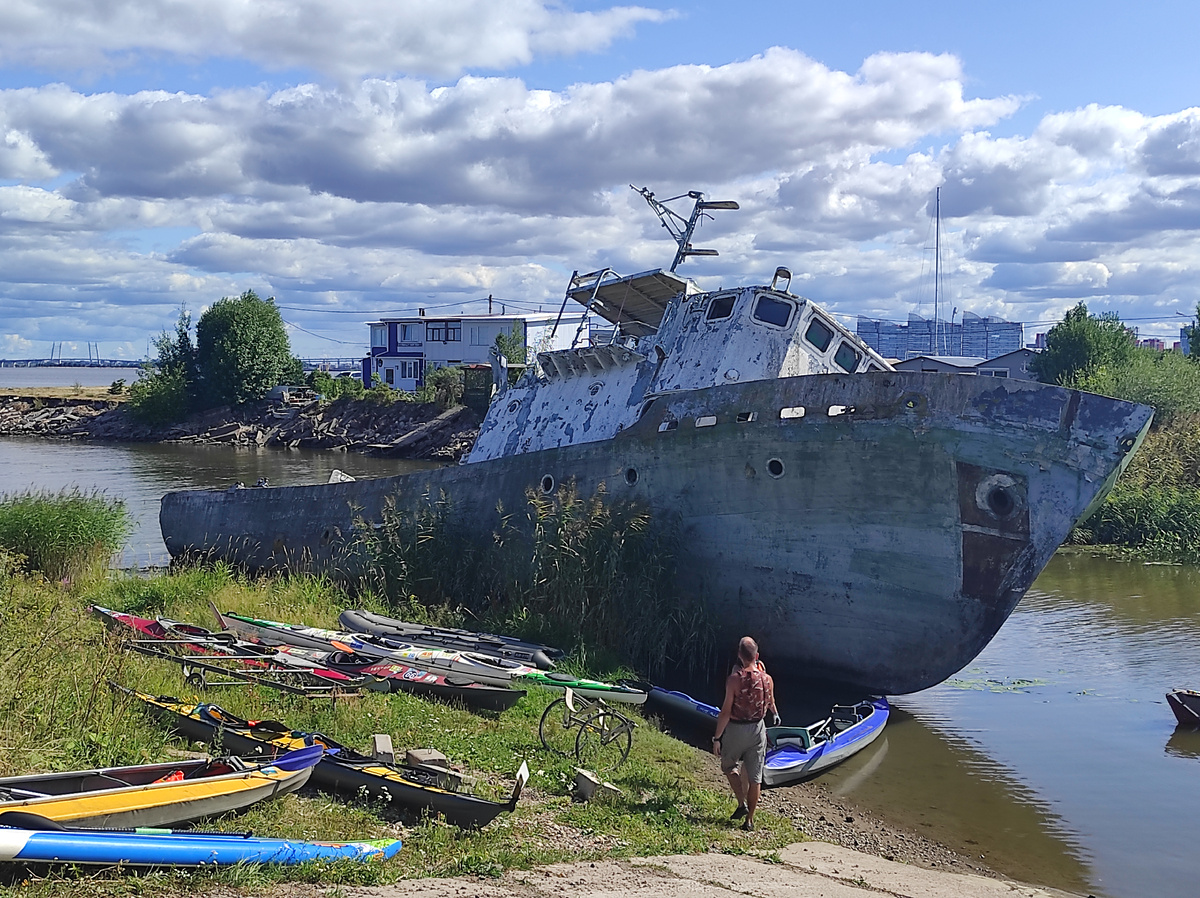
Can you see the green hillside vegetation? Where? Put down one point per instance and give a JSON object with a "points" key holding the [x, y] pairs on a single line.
{"points": [[1154, 509]]}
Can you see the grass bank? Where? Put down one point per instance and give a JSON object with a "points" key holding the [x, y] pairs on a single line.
{"points": [[56, 714], [63, 535], [1153, 512]]}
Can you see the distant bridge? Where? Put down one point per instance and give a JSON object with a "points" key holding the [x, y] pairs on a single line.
{"points": [[309, 364], [71, 363]]}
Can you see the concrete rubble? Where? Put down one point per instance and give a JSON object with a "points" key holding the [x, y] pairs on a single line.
{"points": [[399, 429], [802, 870]]}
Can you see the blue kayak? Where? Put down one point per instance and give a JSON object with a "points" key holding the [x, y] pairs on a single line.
{"points": [[170, 849], [793, 753]]}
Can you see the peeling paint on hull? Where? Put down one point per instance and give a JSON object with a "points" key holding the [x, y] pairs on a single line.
{"points": [[883, 545]]}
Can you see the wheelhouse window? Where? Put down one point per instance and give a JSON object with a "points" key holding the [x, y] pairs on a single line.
{"points": [[846, 358], [720, 307], [770, 310], [819, 334]]}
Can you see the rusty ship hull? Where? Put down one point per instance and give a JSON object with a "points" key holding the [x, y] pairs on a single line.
{"points": [[874, 528]]}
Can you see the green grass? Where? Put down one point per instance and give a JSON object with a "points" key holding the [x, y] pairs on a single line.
{"points": [[57, 714], [63, 535]]}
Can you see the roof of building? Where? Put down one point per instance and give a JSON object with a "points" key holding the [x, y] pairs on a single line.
{"points": [[954, 361], [537, 317]]}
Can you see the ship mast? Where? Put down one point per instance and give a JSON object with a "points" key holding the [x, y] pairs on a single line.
{"points": [[679, 227], [937, 263]]}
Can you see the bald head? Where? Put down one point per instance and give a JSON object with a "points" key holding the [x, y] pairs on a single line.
{"points": [[747, 650]]}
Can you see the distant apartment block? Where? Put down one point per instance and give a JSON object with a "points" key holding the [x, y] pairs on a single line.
{"points": [[974, 336], [403, 349]]}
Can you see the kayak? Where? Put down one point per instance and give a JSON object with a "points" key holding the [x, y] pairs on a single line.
{"points": [[342, 769], [473, 665], [177, 848], [155, 794], [531, 653], [223, 652], [397, 676], [793, 753]]}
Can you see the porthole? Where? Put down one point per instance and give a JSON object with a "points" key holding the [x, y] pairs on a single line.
{"points": [[596, 387], [746, 417], [836, 410], [792, 411], [548, 484], [999, 496], [775, 467], [1001, 501], [631, 476], [706, 420], [514, 405], [668, 424]]}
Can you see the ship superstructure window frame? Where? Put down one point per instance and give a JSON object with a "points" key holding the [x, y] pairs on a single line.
{"points": [[767, 311], [720, 307], [847, 357], [820, 329]]}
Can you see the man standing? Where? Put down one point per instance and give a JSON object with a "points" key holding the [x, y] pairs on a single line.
{"points": [[741, 734]]}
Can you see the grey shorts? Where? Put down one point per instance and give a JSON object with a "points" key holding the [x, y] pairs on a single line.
{"points": [[747, 743]]}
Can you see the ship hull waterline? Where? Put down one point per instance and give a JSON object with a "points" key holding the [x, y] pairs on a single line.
{"points": [[875, 529]]}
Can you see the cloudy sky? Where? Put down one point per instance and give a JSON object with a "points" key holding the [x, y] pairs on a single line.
{"points": [[365, 157]]}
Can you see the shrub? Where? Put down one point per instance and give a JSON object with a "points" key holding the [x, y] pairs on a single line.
{"points": [[585, 573], [117, 387], [443, 386], [63, 535], [160, 397]]}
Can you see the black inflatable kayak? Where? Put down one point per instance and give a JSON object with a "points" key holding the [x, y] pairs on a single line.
{"points": [[342, 769], [531, 653]]}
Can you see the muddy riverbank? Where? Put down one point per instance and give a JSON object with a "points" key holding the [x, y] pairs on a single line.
{"points": [[394, 430]]}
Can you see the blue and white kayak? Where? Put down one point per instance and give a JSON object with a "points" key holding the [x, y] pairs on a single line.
{"points": [[793, 753], [177, 849]]}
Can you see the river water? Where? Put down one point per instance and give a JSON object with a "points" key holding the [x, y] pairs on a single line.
{"points": [[1053, 757]]}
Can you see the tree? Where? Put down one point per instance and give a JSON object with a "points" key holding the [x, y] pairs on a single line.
{"points": [[166, 388], [1192, 331], [1081, 344], [242, 350], [512, 346]]}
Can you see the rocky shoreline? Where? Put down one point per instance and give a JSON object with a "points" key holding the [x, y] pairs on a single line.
{"points": [[397, 430]]}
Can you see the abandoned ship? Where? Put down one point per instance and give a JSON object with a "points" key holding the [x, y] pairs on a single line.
{"points": [[867, 525]]}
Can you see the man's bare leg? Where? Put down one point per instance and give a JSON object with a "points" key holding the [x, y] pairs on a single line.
{"points": [[738, 785], [753, 791]]}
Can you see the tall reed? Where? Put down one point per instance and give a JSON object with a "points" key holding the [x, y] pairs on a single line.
{"points": [[63, 535], [587, 573]]}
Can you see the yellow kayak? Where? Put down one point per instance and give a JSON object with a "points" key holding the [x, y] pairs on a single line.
{"points": [[153, 795]]}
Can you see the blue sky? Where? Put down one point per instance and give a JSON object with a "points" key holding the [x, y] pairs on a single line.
{"points": [[369, 155]]}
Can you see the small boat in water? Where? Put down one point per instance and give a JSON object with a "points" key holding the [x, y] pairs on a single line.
{"points": [[342, 770], [156, 794], [1186, 705], [793, 753], [177, 849]]}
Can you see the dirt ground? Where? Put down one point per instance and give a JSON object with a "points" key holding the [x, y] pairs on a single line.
{"points": [[804, 870]]}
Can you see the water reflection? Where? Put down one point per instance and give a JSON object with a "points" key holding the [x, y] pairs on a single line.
{"points": [[933, 781], [140, 473], [1184, 742]]}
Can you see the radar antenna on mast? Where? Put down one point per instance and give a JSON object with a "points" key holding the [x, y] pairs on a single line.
{"points": [[679, 227]]}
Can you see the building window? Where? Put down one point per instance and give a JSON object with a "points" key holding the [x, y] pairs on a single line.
{"points": [[479, 336], [443, 331], [409, 333], [993, 372], [389, 375], [409, 369], [379, 335]]}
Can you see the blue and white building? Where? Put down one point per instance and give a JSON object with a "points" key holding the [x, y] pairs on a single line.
{"points": [[403, 349]]}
